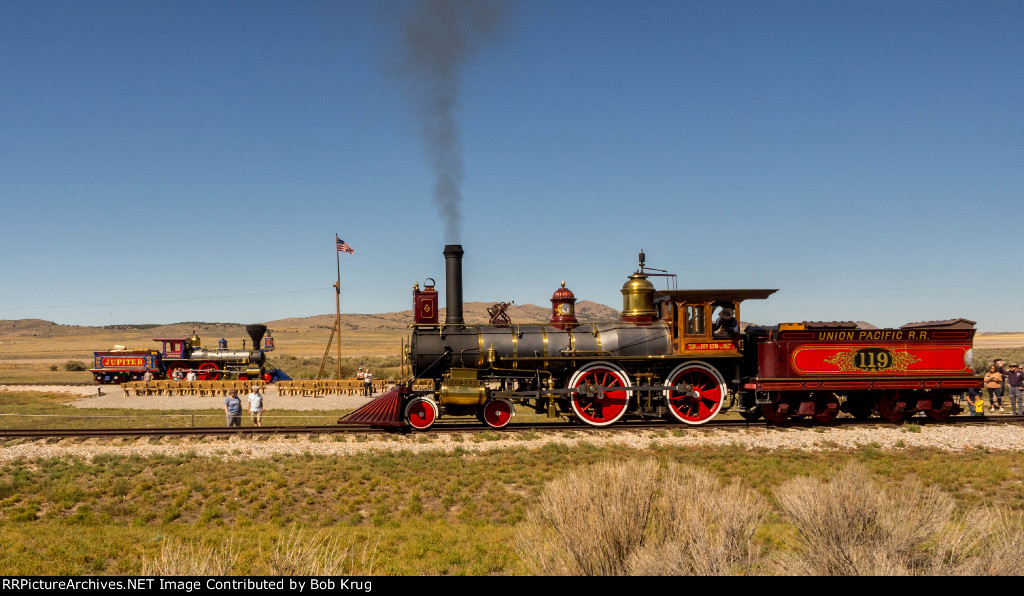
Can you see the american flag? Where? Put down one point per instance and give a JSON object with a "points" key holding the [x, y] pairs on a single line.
{"points": [[343, 246]]}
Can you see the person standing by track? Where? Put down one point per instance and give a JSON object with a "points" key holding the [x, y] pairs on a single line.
{"points": [[368, 383], [233, 409], [256, 406], [1016, 382], [994, 385]]}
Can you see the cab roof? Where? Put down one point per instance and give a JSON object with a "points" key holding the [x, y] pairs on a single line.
{"points": [[712, 295]]}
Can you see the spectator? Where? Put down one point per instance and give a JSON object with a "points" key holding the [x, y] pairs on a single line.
{"points": [[368, 383], [233, 409], [256, 406], [1016, 382], [977, 403], [994, 385], [191, 376], [147, 376]]}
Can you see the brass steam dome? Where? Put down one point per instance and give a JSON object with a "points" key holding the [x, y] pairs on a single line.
{"points": [[638, 299]]}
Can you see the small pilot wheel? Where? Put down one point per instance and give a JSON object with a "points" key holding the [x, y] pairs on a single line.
{"points": [[420, 413], [497, 413]]}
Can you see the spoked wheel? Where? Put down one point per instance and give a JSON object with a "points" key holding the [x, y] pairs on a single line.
{"points": [[420, 413], [176, 367], [208, 371], [706, 399], [497, 413], [826, 410], [887, 407], [601, 397], [771, 413]]}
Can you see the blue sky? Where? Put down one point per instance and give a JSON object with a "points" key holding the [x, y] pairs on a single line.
{"points": [[180, 161]]}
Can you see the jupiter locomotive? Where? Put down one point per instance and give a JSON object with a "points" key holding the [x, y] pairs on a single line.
{"points": [[184, 354], [675, 354]]}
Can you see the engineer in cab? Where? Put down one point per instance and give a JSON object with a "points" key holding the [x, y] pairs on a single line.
{"points": [[726, 324]]}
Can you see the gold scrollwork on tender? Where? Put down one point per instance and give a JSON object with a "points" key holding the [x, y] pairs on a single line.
{"points": [[872, 360]]}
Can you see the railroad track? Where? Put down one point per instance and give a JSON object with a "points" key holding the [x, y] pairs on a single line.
{"points": [[477, 428]]}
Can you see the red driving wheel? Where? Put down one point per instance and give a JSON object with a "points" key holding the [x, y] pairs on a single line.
{"points": [[208, 371], [601, 397]]}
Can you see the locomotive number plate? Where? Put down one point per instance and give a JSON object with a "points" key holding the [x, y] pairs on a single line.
{"points": [[872, 359]]}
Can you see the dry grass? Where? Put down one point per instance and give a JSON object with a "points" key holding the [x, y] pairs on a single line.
{"points": [[634, 518], [592, 520], [851, 526], [179, 558], [631, 518], [702, 527], [297, 553], [316, 554]]}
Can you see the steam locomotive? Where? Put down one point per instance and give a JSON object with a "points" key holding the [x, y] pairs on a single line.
{"points": [[668, 357], [184, 354]]}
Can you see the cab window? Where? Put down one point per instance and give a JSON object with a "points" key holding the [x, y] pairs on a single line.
{"points": [[694, 319]]}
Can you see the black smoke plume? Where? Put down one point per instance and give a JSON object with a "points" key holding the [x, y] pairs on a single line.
{"points": [[439, 38]]}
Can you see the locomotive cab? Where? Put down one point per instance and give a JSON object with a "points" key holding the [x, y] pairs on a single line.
{"points": [[699, 320]]}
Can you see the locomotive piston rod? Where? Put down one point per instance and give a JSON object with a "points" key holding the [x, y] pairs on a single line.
{"points": [[593, 389]]}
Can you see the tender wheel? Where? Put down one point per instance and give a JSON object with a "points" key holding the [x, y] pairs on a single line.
{"points": [[772, 414], [887, 407], [602, 398], [208, 371], [708, 385], [497, 413], [937, 414], [420, 413], [826, 410]]}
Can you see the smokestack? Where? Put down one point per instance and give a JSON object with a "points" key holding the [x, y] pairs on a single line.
{"points": [[256, 333], [453, 283]]}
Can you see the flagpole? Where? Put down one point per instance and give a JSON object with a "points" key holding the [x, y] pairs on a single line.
{"points": [[337, 302]]}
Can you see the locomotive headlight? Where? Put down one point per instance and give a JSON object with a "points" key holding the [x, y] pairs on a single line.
{"points": [[969, 358]]}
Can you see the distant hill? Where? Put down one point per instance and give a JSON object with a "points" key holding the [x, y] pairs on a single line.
{"points": [[40, 328], [473, 312]]}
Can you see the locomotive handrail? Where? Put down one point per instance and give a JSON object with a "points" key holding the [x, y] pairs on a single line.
{"points": [[596, 353]]}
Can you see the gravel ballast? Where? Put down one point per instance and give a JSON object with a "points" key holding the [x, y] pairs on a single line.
{"points": [[951, 438]]}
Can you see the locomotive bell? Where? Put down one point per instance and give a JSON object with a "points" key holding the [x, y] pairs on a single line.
{"points": [[638, 300]]}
